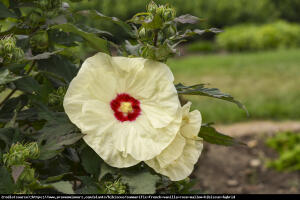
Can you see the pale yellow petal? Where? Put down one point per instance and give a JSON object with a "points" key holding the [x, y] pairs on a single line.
{"points": [[184, 165], [191, 124], [141, 140], [103, 145], [171, 153]]}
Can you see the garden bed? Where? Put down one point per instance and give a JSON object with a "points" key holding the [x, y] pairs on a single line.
{"points": [[242, 169]]}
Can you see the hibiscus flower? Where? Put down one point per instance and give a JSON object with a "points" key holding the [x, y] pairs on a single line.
{"points": [[178, 159], [128, 108]]}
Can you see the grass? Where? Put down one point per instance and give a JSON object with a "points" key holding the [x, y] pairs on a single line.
{"points": [[268, 83]]}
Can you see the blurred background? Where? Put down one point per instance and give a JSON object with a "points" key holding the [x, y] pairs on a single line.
{"points": [[257, 60]]}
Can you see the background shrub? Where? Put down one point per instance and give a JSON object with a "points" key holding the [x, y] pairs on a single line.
{"points": [[260, 37], [201, 46]]}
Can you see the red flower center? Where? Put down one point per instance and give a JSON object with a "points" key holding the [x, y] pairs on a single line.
{"points": [[125, 107]]}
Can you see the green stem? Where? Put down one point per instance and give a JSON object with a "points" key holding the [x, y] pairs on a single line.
{"points": [[155, 38]]}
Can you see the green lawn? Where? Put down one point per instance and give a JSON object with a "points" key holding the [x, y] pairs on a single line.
{"points": [[268, 83]]}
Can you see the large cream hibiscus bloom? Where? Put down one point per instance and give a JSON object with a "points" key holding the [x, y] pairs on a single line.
{"points": [[127, 107], [178, 159]]}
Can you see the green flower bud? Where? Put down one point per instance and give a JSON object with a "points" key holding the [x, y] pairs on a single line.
{"points": [[39, 41], [169, 14], [160, 11], [27, 175], [151, 7], [33, 150], [115, 187], [9, 52], [18, 153], [142, 32], [56, 98]]}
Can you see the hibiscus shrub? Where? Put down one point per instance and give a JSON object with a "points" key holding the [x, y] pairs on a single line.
{"points": [[111, 123]]}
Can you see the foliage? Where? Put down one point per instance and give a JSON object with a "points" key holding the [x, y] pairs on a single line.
{"points": [[288, 9], [42, 48], [252, 37], [287, 144], [213, 11]]}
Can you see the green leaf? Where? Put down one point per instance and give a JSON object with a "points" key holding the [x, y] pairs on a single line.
{"points": [[7, 77], [28, 84], [106, 169], [95, 15], [7, 185], [57, 133], [87, 155], [5, 12], [62, 38], [96, 42], [211, 135], [10, 136], [199, 89], [6, 135], [60, 66], [187, 19], [42, 56], [56, 178], [63, 187], [141, 183]]}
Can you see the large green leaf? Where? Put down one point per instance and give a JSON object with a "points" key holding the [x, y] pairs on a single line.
{"points": [[106, 169], [60, 66], [7, 77], [63, 187], [141, 183], [28, 84], [5, 12], [211, 135], [6, 135], [93, 14], [90, 161], [95, 41], [57, 133], [63, 38], [199, 89], [7, 185]]}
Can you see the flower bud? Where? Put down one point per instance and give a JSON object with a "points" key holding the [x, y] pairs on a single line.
{"points": [[9, 52], [160, 11], [151, 7], [142, 32], [115, 187], [169, 14], [27, 175], [39, 41], [18, 153]]}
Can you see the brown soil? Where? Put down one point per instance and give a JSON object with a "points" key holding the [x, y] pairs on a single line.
{"points": [[242, 169]]}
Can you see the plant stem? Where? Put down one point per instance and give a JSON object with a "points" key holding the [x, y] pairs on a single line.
{"points": [[14, 90], [155, 38]]}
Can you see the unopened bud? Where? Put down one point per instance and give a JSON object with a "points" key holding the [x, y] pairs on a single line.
{"points": [[151, 7]]}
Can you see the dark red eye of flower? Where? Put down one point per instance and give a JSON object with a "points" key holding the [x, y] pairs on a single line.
{"points": [[125, 107]]}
